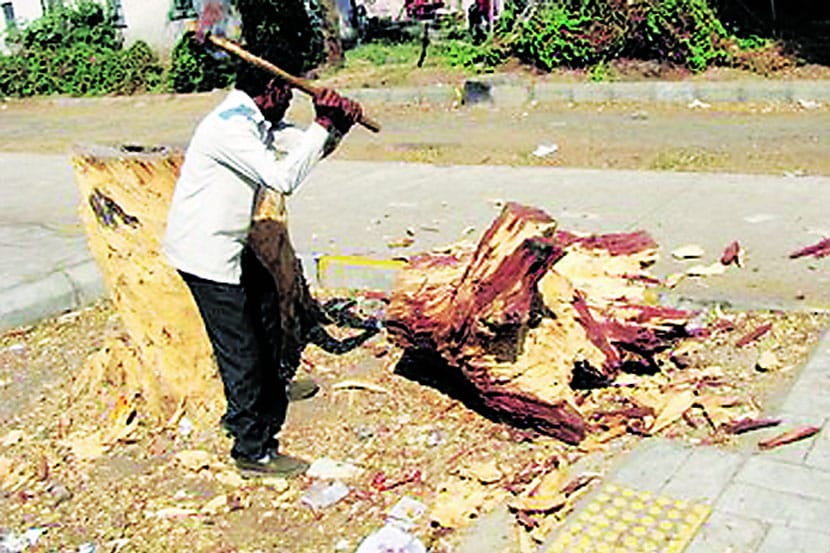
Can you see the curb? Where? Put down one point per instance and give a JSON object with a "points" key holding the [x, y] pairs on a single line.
{"points": [[506, 91], [61, 290]]}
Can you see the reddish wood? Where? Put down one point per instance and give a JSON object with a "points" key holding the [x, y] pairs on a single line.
{"points": [[520, 346], [732, 254], [753, 335], [623, 243], [748, 425], [789, 437], [818, 250]]}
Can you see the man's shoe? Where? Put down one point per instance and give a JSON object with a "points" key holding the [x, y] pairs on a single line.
{"points": [[302, 388], [274, 464]]}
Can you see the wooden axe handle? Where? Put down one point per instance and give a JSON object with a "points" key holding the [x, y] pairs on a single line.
{"points": [[296, 82]]}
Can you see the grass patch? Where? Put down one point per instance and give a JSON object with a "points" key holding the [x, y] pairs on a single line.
{"points": [[689, 159]]}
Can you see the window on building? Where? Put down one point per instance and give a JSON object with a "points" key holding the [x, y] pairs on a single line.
{"points": [[8, 14]]}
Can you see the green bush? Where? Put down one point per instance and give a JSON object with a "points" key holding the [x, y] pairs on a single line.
{"points": [[193, 69], [78, 51], [590, 33]]}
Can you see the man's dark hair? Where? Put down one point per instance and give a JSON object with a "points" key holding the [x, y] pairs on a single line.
{"points": [[253, 80]]}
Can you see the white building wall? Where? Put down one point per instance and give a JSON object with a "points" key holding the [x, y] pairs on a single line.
{"points": [[146, 20]]}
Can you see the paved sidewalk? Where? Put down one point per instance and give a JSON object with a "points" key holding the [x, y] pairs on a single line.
{"points": [[360, 207], [774, 501]]}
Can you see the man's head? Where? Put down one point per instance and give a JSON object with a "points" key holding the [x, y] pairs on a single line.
{"points": [[274, 100], [271, 95]]}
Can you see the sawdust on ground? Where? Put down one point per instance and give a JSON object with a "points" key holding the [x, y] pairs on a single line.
{"points": [[144, 489]]}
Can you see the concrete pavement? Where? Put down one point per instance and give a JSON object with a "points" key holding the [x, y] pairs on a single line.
{"points": [[360, 207]]}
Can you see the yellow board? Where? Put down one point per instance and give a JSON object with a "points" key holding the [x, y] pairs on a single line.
{"points": [[355, 271], [622, 520]]}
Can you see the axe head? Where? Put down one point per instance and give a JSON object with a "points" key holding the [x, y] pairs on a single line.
{"points": [[214, 17]]}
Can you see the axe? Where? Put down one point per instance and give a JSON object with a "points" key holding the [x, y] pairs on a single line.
{"points": [[212, 13]]}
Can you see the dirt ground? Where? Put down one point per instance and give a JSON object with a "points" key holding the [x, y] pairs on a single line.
{"points": [[406, 434], [772, 138]]}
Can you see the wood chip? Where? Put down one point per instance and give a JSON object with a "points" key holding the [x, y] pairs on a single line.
{"points": [[359, 385], [753, 335], [677, 404], [789, 437], [747, 425]]}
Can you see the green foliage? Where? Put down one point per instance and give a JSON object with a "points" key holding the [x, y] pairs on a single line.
{"points": [[481, 57], [194, 69], [591, 33], [78, 51], [686, 32], [287, 26]]}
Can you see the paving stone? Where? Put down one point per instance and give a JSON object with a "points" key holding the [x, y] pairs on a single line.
{"points": [[807, 401], [650, 466], [774, 507], [785, 477], [819, 454], [811, 90], [781, 539], [703, 475], [727, 532]]}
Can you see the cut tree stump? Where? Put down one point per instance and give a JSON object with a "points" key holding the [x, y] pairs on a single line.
{"points": [[166, 356], [533, 313]]}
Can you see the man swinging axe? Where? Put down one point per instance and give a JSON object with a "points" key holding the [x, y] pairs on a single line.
{"points": [[242, 145]]}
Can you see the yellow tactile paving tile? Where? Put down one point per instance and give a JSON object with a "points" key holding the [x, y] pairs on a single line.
{"points": [[622, 520]]}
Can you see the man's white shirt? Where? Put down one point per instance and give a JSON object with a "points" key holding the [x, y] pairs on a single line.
{"points": [[233, 152]]}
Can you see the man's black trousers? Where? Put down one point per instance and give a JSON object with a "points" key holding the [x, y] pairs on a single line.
{"points": [[242, 322]]}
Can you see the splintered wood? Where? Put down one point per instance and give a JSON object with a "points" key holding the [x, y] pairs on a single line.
{"points": [[166, 357], [533, 314]]}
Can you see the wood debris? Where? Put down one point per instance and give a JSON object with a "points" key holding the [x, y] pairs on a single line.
{"points": [[533, 313], [753, 335], [818, 250], [733, 254], [748, 425], [789, 437]]}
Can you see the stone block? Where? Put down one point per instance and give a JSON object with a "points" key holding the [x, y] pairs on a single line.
{"points": [[727, 532], [651, 465], [774, 507], [785, 477], [703, 475], [781, 539]]}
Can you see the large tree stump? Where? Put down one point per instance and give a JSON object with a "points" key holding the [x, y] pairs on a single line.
{"points": [[526, 333], [167, 358]]}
